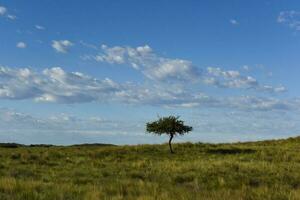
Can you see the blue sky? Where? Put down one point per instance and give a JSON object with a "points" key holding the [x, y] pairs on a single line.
{"points": [[97, 71]]}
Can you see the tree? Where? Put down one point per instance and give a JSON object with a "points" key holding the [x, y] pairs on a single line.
{"points": [[171, 126]]}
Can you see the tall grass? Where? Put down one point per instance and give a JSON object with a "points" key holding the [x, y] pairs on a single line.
{"points": [[258, 170]]}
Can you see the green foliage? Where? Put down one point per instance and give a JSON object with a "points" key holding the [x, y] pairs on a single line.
{"points": [[171, 126], [168, 125], [250, 171]]}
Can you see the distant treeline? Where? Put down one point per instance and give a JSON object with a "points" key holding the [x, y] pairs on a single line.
{"points": [[16, 145]]}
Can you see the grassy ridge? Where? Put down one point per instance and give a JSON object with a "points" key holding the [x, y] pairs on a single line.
{"points": [[257, 170]]}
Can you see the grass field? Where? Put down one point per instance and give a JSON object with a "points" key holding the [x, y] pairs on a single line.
{"points": [[258, 170]]}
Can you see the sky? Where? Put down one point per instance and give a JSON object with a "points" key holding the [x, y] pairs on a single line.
{"points": [[97, 71]]}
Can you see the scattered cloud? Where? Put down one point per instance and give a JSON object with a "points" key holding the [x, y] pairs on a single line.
{"points": [[64, 128], [153, 66], [217, 124], [290, 18], [262, 103], [88, 45], [229, 79], [39, 27], [54, 85], [12, 17], [246, 68], [61, 46], [234, 22], [3, 10], [233, 79], [57, 85], [21, 45], [245, 103], [254, 126], [11, 119], [164, 69]]}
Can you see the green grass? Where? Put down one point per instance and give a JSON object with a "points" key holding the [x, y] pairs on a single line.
{"points": [[258, 170]]}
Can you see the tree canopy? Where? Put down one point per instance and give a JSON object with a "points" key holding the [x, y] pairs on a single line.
{"points": [[170, 125]]}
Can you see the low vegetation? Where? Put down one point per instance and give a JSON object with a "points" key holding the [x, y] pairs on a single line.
{"points": [[257, 170]]}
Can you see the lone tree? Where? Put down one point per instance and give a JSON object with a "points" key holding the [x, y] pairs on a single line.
{"points": [[171, 126]]}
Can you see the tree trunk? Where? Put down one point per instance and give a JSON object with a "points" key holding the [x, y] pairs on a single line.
{"points": [[170, 145]]}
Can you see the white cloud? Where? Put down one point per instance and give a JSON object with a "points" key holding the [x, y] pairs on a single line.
{"points": [[52, 85], [245, 103], [64, 128], [233, 79], [88, 45], [11, 119], [57, 85], [21, 45], [153, 66], [272, 89], [3, 10], [164, 69], [61, 46], [246, 68], [262, 103], [242, 125], [174, 68], [218, 126], [39, 27], [12, 17], [233, 22], [290, 18]]}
